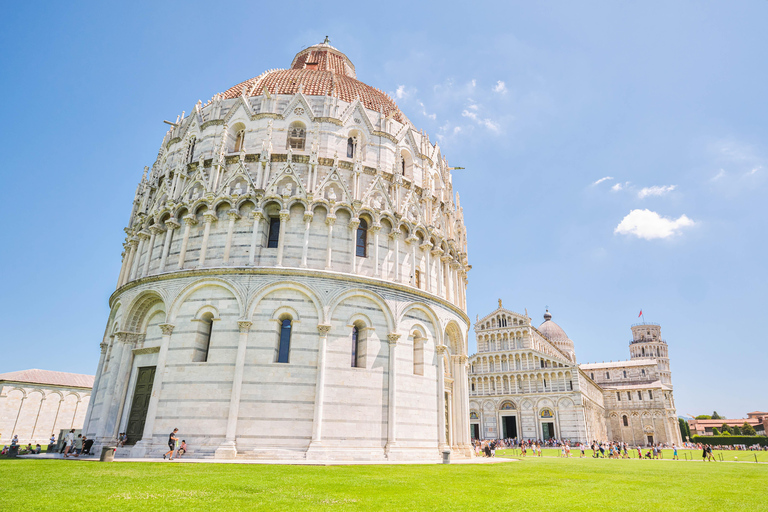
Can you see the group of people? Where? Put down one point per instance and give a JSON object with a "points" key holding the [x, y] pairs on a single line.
{"points": [[175, 447], [600, 449]]}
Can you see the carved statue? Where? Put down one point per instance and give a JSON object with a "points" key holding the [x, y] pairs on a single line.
{"points": [[499, 303], [287, 190], [331, 194]]}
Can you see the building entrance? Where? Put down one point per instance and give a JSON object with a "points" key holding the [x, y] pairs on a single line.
{"points": [[509, 424], [650, 440], [475, 431], [140, 404], [548, 430]]}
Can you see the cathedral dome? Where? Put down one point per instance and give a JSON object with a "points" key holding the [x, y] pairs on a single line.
{"points": [[320, 70], [557, 335]]}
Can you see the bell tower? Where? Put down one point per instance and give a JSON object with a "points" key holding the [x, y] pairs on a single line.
{"points": [[647, 343]]}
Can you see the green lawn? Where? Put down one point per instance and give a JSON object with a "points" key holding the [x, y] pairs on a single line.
{"points": [[747, 456], [532, 484]]}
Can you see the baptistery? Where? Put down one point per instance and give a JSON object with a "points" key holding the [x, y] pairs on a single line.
{"points": [[293, 281]]}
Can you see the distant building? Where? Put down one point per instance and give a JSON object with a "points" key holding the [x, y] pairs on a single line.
{"points": [[34, 404], [525, 383], [758, 420]]}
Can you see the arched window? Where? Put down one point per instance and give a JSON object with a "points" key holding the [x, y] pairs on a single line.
{"points": [[625, 374], [650, 394], [355, 346], [618, 396], [203, 338], [592, 375], [402, 166], [643, 372], [625, 420], [418, 278], [239, 141], [639, 395], [191, 150], [297, 135], [351, 147], [629, 396], [362, 239], [607, 375], [284, 347]]}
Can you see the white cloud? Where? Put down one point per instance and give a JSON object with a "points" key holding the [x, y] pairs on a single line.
{"points": [[491, 125], [500, 87], [619, 186], [602, 180], [754, 171], [456, 129], [401, 93], [467, 113], [649, 225], [473, 83], [720, 174], [655, 191]]}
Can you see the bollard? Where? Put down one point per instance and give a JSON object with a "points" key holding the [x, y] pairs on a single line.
{"points": [[447, 457], [107, 454]]}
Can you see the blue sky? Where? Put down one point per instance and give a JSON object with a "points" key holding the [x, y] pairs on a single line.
{"points": [[615, 153]]}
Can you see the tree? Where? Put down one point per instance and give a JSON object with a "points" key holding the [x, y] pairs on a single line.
{"points": [[715, 431], [725, 428], [716, 416], [703, 417], [725, 434], [735, 430], [748, 430], [685, 429]]}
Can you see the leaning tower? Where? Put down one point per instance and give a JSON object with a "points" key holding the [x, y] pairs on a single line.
{"points": [[647, 343], [293, 281]]}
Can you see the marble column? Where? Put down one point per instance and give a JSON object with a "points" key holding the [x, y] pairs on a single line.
{"points": [[149, 425], [143, 237], [392, 402], [189, 221], [446, 276], [123, 267], [257, 216], [228, 449], [317, 424], [305, 246], [209, 218], [441, 440], [353, 224], [395, 235], [284, 216], [425, 248], [438, 270], [376, 266], [233, 216], [113, 403], [330, 220], [95, 389], [170, 227], [154, 230], [411, 241]]}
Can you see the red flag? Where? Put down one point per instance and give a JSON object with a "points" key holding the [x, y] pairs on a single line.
{"points": [[641, 314]]}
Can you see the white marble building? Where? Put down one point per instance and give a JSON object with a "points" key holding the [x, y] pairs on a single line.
{"points": [[35, 404], [525, 383], [293, 281]]}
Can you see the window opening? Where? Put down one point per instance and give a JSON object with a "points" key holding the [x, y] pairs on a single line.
{"points": [[618, 396], [297, 136], [650, 394], [239, 141], [639, 395], [350, 147], [274, 232], [626, 420], [418, 278], [362, 239], [355, 337], [191, 150], [285, 341]]}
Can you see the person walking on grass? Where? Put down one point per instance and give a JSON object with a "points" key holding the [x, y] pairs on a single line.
{"points": [[171, 444], [674, 452]]}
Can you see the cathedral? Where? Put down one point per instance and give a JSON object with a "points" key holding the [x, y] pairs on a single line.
{"points": [[525, 383], [293, 281]]}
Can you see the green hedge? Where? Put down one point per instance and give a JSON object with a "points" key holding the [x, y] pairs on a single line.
{"points": [[731, 440]]}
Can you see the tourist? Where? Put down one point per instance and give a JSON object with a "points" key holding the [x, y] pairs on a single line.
{"points": [[69, 442], [674, 452], [710, 457], [15, 441], [538, 449], [171, 444], [581, 445], [704, 454], [87, 444], [602, 450], [639, 453], [182, 449]]}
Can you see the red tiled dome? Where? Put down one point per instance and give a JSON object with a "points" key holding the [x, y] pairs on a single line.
{"points": [[321, 70]]}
